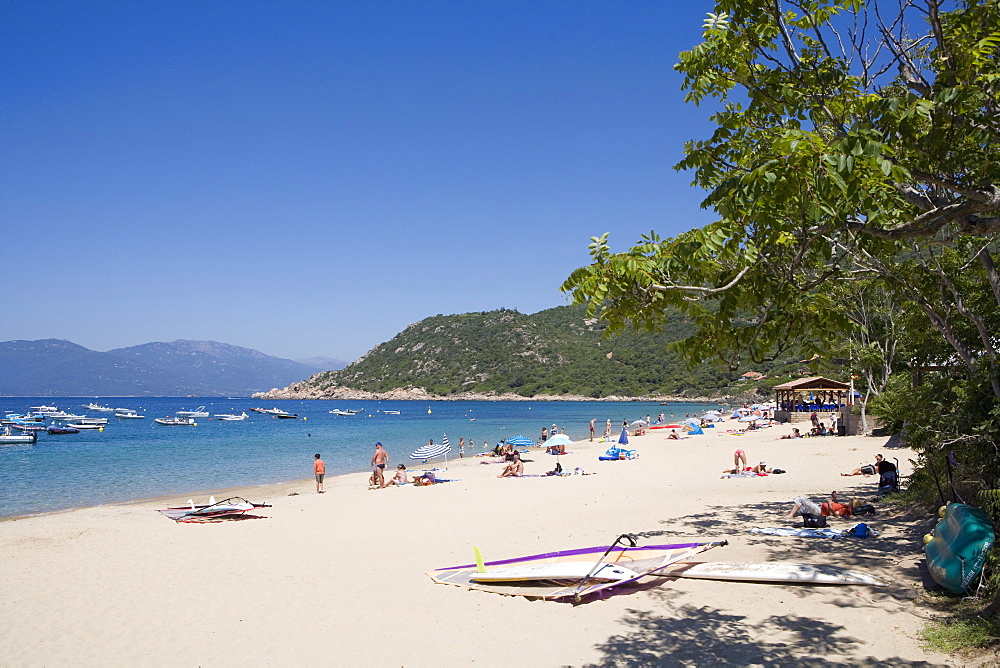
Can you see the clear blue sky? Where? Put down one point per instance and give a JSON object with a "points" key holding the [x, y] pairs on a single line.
{"points": [[307, 178]]}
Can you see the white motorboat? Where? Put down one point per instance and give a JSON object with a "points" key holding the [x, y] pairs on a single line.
{"points": [[91, 420], [337, 411], [175, 422], [42, 410], [63, 416], [85, 425], [97, 407], [199, 412], [390, 412], [230, 417], [128, 414], [7, 437]]}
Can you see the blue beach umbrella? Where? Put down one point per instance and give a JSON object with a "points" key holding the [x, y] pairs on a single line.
{"points": [[520, 442], [623, 439]]}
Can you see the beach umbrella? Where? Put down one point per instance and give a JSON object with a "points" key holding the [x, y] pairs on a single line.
{"points": [[640, 421], [520, 442], [750, 418], [711, 415], [430, 450], [694, 422], [559, 439], [623, 439]]}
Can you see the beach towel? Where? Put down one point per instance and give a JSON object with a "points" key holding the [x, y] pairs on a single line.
{"points": [[807, 533], [861, 530], [745, 474]]}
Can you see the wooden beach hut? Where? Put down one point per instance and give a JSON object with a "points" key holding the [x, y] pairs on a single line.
{"points": [[798, 399]]}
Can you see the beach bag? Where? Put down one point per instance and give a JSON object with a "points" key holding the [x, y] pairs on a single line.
{"points": [[861, 530], [813, 521], [867, 509]]}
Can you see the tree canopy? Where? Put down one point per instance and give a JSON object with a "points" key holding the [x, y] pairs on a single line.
{"points": [[856, 143]]}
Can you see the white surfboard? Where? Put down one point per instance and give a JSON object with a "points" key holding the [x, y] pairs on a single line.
{"points": [[772, 571], [560, 570]]}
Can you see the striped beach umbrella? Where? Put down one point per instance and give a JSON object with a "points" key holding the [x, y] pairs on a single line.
{"points": [[432, 450], [520, 442]]}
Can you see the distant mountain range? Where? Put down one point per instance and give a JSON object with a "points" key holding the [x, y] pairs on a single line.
{"points": [[53, 367]]}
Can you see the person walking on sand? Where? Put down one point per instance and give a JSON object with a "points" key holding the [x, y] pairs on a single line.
{"points": [[592, 429], [379, 460], [319, 469]]}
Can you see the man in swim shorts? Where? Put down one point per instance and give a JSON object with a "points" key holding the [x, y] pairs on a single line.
{"points": [[379, 460], [319, 469]]}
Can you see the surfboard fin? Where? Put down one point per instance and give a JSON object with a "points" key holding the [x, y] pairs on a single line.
{"points": [[480, 566]]}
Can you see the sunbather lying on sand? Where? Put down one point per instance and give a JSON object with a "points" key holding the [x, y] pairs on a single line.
{"points": [[804, 506]]}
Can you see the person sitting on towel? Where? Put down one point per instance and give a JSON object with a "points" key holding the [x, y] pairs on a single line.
{"points": [[400, 477], [514, 469]]}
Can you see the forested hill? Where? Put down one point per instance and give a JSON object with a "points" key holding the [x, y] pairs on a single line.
{"points": [[552, 352]]}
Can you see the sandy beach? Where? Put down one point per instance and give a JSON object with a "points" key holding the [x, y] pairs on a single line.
{"points": [[339, 578]]}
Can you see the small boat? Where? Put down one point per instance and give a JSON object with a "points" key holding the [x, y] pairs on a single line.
{"points": [[42, 410], [231, 417], [91, 420], [63, 416], [337, 411], [28, 426], [286, 416], [7, 437], [198, 412], [55, 429], [258, 410], [85, 425], [97, 407], [231, 508], [176, 421], [128, 414], [390, 412]]}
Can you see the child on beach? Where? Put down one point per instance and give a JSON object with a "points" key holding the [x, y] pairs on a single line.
{"points": [[319, 469]]}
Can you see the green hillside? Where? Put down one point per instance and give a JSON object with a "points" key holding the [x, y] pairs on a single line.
{"points": [[553, 352]]}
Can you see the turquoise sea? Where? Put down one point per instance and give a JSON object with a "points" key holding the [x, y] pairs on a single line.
{"points": [[139, 459]]}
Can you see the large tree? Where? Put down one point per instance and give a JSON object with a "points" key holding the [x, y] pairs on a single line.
{"points": [[855, 142]]}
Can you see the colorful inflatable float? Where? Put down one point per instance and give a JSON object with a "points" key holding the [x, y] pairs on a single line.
{"points": [[958, 547]]}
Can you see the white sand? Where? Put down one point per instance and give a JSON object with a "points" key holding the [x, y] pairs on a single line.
{"points": [[338, 578]]}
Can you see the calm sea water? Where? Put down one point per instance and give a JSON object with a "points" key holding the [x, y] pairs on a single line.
{"points": [[138, 459]]}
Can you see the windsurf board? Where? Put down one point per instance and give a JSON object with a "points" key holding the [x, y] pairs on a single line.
{"points": [[771, 571]]}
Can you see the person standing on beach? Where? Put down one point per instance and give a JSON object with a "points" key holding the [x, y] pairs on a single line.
{"points": [[592, 429], [461, 447], [607, 429], [379, 460], [319, 469]]}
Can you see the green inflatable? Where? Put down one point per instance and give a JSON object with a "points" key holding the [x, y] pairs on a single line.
{"points": [[958, 547]]}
